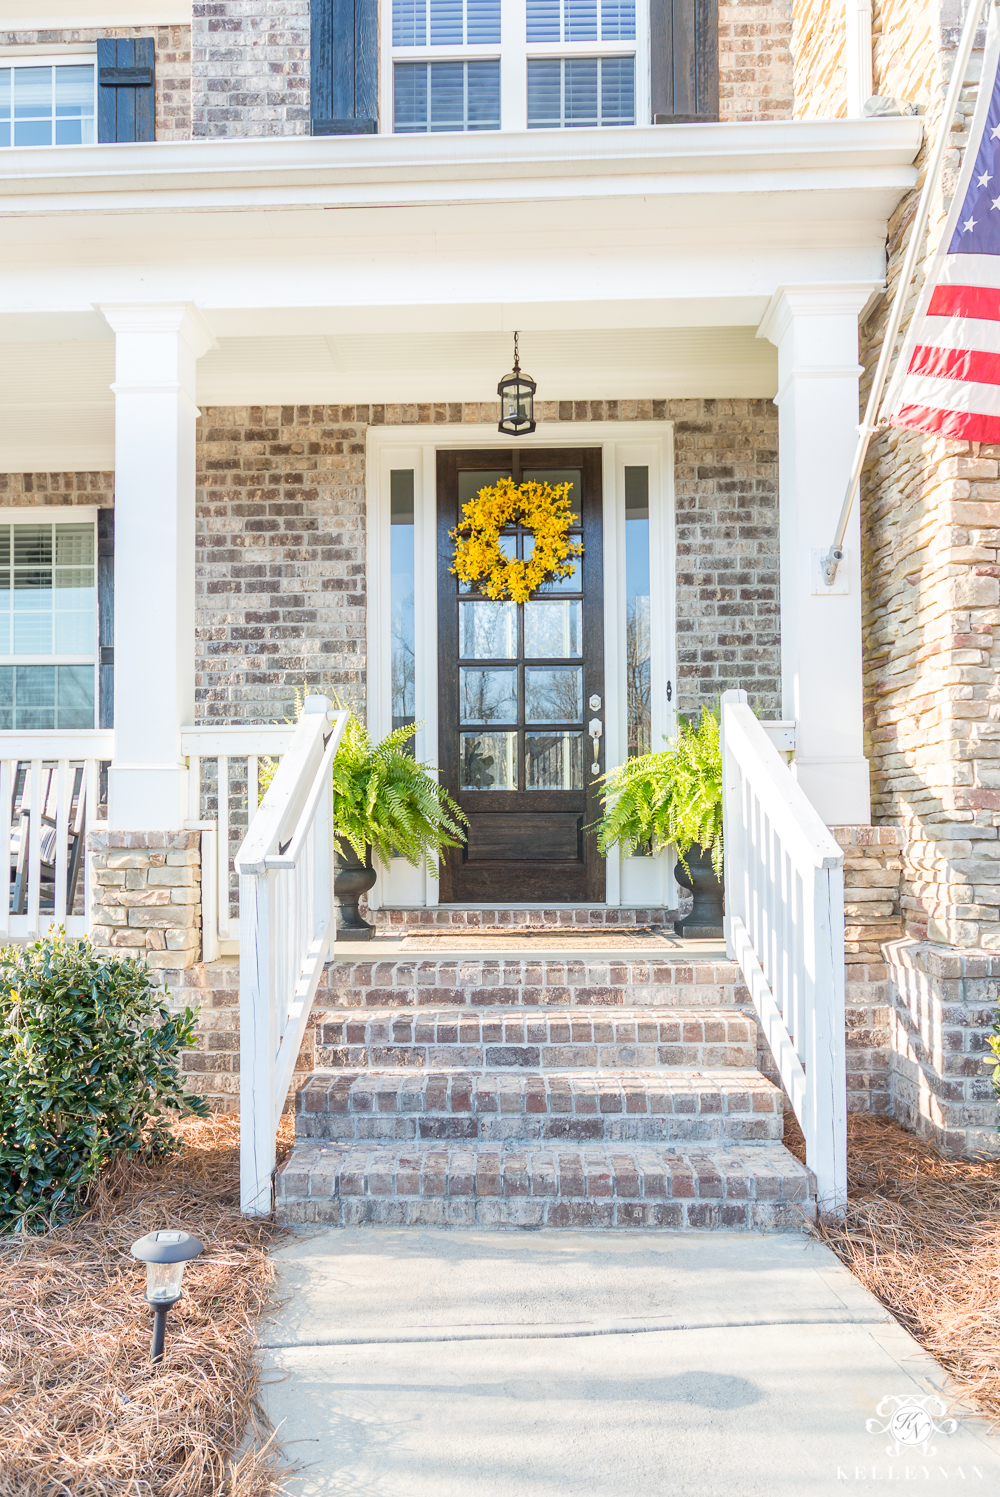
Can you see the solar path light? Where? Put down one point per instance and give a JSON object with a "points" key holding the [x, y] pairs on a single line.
{"points": [[164, 1254]]}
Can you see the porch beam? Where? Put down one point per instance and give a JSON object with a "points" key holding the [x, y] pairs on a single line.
{"points": [[815, 330], [157, 346]]}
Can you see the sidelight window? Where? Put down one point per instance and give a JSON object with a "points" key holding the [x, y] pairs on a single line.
{"points": [[637, 623], [401, 560]]}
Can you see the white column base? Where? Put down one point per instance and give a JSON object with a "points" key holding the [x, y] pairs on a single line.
{"points": [[837, 787], [147, 797]]}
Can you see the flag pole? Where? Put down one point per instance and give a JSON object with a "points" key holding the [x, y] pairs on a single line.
{"points": [[869, 426]]}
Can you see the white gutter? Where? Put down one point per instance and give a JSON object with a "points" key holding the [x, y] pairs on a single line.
{"points": [[361, 170]]}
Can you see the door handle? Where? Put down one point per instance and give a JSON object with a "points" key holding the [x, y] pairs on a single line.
{"points": [[595, 730]]}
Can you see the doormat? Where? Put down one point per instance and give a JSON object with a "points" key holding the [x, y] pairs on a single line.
{"points": [[535, 938]]}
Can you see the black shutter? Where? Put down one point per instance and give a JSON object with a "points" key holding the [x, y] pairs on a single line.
{"points": [[684, 39], [344, 77], [125, 74], [106, 616]]}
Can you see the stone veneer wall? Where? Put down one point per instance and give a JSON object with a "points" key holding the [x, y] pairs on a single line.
{"points": [[281, 590], [250, 64], [755, 61], [904, 38], [146, 896], [172, 81]]}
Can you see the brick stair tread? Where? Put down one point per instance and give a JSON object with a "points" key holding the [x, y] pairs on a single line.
{"points": [[731, 1104], [481, 981], [482, 1038], [540, 1184]]}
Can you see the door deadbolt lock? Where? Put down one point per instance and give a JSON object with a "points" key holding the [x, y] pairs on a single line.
{"points": [[595, 703]]}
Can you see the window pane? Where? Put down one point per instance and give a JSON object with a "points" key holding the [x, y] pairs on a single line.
{"points": [[489, 761], [483, 24], [46, 608], [447, 20], [553, 695], [47, 105], [617, 20], [409, 23], [46, 696], [573, 583], [488, 696], [32, 545], [576, 92], [553, 761], [580, 21], [74, 634], [432, 96], [74, 545], [74, 696], [637, 634], [553, 631], [401, 602], [487, 631]]}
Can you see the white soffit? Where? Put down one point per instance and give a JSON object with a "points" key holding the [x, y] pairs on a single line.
{"points": [[57, 409], [56, 15]]}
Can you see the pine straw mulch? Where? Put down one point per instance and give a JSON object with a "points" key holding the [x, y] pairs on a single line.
{"points": [[922, 1233], [82, 1411]]}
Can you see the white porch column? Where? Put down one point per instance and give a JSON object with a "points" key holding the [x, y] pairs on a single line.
{"points": [[815, 329], [157, 346]]}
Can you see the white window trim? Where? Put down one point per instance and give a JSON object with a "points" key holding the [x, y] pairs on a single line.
{"points": [[71, 56], [642, 881], [61, 514], [514, 52]]}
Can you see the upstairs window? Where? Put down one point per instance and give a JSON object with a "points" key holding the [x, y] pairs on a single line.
{"points": [[458, 65], [46, 104]]}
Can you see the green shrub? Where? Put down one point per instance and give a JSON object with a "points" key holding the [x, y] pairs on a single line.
{"points": [[673, 798], [89, 1058]]}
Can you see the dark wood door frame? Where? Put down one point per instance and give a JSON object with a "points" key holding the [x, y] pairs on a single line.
{"points": [[489, 870]]}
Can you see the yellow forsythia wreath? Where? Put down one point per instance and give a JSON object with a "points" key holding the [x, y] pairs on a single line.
{"points": [[542, 508]]}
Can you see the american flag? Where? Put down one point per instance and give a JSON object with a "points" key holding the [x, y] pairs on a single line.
{"points": [[947, 378]]}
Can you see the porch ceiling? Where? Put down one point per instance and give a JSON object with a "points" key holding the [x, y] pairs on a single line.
{"points": [[57, 409]]}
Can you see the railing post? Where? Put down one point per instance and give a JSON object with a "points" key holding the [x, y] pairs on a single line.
{"points": [[258, 1045], [825, 1058], [732, 823]]}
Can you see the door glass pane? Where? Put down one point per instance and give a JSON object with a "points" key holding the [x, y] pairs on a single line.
{"points": [[553, 761], [488, 696], [571, 584], [403, 662], [489, 761], [553, 694], [553, 631], [487, 631], [637, 635]]}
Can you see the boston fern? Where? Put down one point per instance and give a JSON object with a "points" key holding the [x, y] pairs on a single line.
{"points": [[673, 798], [385, 798], [89, 1061]]}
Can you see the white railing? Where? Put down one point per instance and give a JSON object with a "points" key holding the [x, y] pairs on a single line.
{"points": [[784, 877], [287, 927], [50, 791], [224, 769]]}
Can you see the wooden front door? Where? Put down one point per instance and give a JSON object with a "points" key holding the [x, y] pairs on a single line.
{"points": [[520, 686]]}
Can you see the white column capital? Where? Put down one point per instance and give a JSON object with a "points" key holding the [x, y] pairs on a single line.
{"points": [[822, 299], [181, 318]]}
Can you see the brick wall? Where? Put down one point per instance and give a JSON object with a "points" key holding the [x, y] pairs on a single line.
{"points": [[172, 73], [755, 60], [282, 559], [250, 64], [58, 488]]}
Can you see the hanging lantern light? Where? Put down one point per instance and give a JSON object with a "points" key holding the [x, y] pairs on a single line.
{"points": [[517, 401]]}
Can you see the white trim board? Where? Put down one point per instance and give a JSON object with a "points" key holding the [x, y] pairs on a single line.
{"points": [[641, 881], [58, 15]]}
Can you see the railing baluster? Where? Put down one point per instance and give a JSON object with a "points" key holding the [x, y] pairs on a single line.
{"points": [[34, 830], [61, 865], [8, 773], [787, 932]]}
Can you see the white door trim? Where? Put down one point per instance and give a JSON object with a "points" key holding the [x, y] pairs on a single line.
{"points": [[641, 881]]}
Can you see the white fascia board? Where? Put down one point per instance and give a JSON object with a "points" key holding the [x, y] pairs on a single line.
{"points": [[59, 15], [766, 156]]}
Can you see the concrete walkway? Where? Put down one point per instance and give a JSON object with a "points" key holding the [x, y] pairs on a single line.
{"points": [[530, 1364]]}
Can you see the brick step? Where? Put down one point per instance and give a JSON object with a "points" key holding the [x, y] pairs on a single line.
{"points": [[555, 1039], [539, 1185], [647, 1106], [472, 917], [535, 982]]}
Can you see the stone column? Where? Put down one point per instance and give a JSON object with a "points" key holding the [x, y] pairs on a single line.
{"points": [[815, 329], [157, 348]]}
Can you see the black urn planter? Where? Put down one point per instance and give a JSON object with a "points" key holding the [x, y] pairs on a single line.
{"points": [[705, 919], [352, 879]]}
